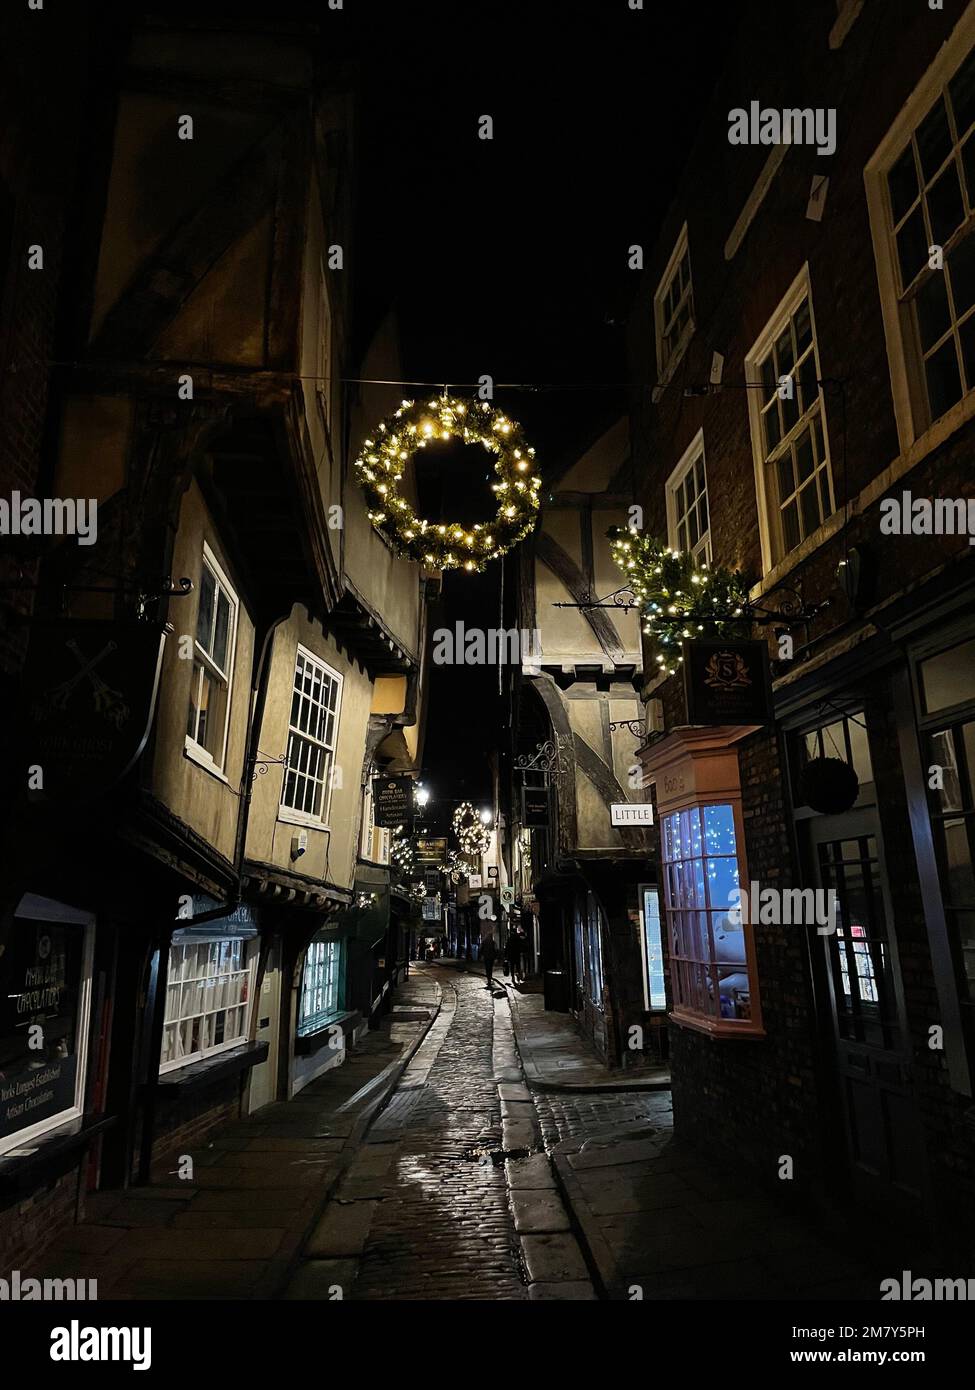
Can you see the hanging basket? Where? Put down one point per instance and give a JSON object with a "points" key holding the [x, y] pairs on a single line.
{"points": [[828, 785]]}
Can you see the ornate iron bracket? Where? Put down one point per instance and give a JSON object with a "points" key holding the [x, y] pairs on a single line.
{"points": [[548, 757], [623, 598], [635, 726]]}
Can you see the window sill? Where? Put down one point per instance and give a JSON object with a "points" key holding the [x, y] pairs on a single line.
{"points": [[308, 1043], [52, 1154], [202, 758], [289, 817], [803, 550], [719, 1028], [197, 1075]]}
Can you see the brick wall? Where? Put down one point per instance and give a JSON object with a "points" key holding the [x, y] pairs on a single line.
{"points": [[29, 1226], [184, 1126]]}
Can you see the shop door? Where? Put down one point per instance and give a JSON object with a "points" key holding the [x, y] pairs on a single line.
{"points": [[872, 1054], [262, 1088]]}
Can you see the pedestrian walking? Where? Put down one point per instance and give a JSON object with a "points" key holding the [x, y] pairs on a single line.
{"points": [[489, 954], [516, 951]]}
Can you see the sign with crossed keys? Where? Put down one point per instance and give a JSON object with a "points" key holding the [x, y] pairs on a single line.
{"points": [[90, 692]]}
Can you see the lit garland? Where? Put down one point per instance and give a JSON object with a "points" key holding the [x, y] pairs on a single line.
{"points": [[454, 867], [473, 837], [677, 597], [449, 545], [401, 854]]}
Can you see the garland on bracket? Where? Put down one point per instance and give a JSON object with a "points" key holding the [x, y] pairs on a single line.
{"points": [[677, 597], [449, 545]]}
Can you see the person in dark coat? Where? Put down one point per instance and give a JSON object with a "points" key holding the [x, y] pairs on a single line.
{"points": [[489, 954], [516, 952]]}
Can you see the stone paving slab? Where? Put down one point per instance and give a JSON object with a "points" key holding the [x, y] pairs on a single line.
{"points": [[550, 1258]]}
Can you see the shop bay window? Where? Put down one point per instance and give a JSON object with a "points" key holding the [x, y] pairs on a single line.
{"points": [[320, 985], [711, 978], [208, 993]]}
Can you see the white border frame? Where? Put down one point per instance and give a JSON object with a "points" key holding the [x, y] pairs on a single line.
{"points": [[657, 888], [665, 373], [286, 814], [801, 288], [196, 752], [909, 408], [86, 921], [688, 458]]}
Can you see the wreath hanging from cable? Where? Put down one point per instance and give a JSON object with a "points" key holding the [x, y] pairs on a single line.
{"points": [[473, 837], [449, 545]]}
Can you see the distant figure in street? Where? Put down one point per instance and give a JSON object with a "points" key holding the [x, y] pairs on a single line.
{"points": [[489, 954], [516, 952]]}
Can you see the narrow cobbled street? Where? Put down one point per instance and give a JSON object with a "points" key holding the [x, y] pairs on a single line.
{"points": [[442, 1227]]}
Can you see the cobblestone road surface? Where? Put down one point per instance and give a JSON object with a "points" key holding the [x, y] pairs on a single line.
{"points": [[442, 1228]]}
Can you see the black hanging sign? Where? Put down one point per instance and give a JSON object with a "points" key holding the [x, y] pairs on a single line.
{"points": [[392, 800], [89, 694], [535, 808], [727, 682]]}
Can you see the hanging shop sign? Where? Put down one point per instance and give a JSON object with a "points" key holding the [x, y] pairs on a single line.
{"points": [[535, 808], [727, 682], [507, 895], [431, 909], [42, 972], [392, 800], [631, 813], [90, 693], [431, 849], [431, 878], [474, 880], [492, 871]]}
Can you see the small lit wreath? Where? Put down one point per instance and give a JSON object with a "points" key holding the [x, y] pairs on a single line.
{"points": [[449, 545], [472, 836]]}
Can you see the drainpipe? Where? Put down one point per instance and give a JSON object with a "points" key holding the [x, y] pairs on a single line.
{"points": [[160, 969]]}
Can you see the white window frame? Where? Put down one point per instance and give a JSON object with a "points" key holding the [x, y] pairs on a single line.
{"points": [[766, 489], [690, 456], [915, 430], [249, 956], [34, 908], [195, 749], [289, 814], [643, 889], [665, 370], [311, 1023]]}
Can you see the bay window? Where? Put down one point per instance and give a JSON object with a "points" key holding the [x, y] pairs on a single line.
{"points": [[320, 984], [208, 994]]}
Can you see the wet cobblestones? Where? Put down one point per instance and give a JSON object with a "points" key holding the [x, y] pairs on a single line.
{"points": [[563, 1115], [442, 1228]]}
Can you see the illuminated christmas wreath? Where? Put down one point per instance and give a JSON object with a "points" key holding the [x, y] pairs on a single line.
{"points": [[473, 837], [676, 597], [449, 545]]}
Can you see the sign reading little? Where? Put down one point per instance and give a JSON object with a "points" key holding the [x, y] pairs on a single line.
{"points": [[727, 682], [392, 799], [631, 813]]}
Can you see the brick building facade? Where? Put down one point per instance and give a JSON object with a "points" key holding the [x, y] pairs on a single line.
{"points": [[798, 353]]}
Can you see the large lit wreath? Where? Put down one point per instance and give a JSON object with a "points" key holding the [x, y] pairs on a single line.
{"points": [[676, 597], [473, 837], [449, 545]]}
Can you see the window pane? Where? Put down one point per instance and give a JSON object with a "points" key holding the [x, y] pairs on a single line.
{"points": [[771, 423], [945, 206], [902, 182], [961, 269], [222, 631], [790, 526], [932, 310], [961, 89], [204, 620], [949, 678], [943, 379], [912, 248], [809, 509], [933, 139]]}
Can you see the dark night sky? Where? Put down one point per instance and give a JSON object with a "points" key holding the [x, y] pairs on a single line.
{"points": [[508, 257], [505, 257]]}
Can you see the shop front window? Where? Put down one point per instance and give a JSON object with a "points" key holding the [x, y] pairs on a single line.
{"points": [[45, 981], [320, 985], [207, 995], [654, 991], [709, 947]]}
